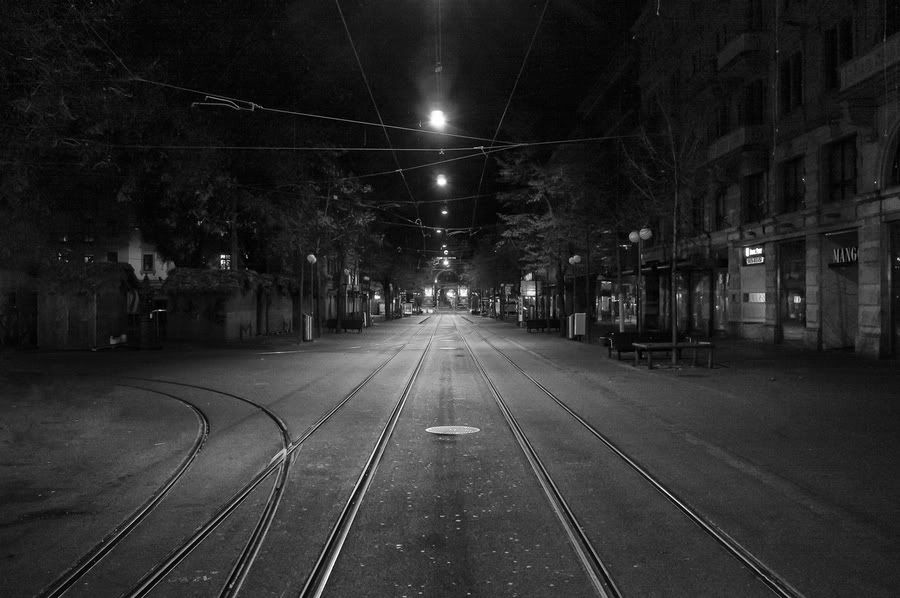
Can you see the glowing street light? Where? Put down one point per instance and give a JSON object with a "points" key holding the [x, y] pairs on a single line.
{"points": [[446, 262], [438, 231], [441, 180], [437, 119], [444, 211]]}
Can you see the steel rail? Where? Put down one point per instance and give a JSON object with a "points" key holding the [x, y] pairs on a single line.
{"points": [[775, 582], [107, 544], [251, 549], [324, 566], [244, 561], [599, 575]]}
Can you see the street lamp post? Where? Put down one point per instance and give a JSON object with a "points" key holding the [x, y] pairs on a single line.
{"points": [[574, 261], [311, 258], [639, 236], [367, 307]]}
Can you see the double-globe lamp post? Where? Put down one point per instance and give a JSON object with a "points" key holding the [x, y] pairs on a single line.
{"points": [[639, 236], [574, 261], [311, 258]]}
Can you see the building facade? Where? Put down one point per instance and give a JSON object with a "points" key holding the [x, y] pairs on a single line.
{"points": [[786, 114]]}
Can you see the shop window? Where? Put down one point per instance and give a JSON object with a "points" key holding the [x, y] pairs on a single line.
{"points": [[793, 186], [842, 169], [754, 189], [224, 261]]}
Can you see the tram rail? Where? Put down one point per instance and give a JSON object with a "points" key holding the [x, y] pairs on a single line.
{"points": [[766, 574]]}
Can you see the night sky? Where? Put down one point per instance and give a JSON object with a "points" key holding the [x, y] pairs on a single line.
{"points": [[510, 71]]}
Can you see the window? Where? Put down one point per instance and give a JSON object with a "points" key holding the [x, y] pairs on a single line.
{"points": [[891, 13], [147, 263], [699, 215], [754, 15], [842, 169], [719, 214], [837, 49], [754, 105], [720, 125], [793, 185], [112, 256], [755, 197], [895, 164], [790, 88], [225, 261]]}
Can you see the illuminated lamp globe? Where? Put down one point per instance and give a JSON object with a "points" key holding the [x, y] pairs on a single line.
{"points": [[441, 180], [633, 236], [437, 119], [311, 259], [645, 233]]}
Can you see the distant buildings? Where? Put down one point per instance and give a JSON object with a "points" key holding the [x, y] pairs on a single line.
{"points": [[787, 116]]}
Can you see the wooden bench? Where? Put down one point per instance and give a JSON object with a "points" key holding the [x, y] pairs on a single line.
{"points": [[659, 347], [352, 324], [346, 324], [536, 325]]}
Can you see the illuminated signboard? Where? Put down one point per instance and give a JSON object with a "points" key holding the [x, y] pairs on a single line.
{"points": [[844, 256], [754, 256], [528, 288], [463, 291]]}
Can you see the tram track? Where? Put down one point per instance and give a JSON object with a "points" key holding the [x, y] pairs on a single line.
{"points": [[278, 465], [762, 571], [279, 462], [318, 578], [600, 577], [108, 543]]}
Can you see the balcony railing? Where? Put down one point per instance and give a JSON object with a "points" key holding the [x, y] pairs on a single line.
{"points": [[740, 137], [872, 64], [745, 43]]}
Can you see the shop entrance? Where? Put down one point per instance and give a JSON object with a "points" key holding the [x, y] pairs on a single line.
{"points": [[895, 288], [840, 290], [792, 290]]}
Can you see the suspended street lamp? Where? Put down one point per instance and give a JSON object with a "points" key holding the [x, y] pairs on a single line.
{"points": [[437, 119]]}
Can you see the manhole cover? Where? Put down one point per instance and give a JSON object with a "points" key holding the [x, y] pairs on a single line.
{"points": [[452, 430]]}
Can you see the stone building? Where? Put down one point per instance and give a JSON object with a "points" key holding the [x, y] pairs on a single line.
{"points": [[786, 114]]}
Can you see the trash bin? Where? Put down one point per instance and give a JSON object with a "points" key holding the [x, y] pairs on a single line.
{"points": [[307, 327]]}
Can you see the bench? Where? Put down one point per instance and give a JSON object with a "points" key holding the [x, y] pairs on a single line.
{"points": [[536, 325], [657, 347], [352, 324], [624, 342], [346, 324]]}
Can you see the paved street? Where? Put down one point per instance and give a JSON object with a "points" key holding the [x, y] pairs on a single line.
{"points": [[273, 468]]}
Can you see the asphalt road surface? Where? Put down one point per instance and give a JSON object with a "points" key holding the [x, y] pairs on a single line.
{"points": [[439, 455]]}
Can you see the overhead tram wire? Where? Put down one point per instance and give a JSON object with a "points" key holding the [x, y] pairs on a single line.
{"points": [[506, 108], [240, 105], [478, 150]]}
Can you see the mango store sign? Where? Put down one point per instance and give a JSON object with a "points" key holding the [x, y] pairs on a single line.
{"points": [[844, 256], [754, 256]]}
